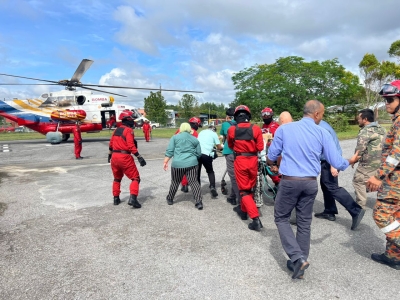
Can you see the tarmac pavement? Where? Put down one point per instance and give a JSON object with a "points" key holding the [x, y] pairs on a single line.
{"points": [[61, 237]]}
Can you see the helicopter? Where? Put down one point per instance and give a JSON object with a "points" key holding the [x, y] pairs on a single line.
{"points": [[54, 114]]}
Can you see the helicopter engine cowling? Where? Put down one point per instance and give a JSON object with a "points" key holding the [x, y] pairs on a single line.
{"points": [[68, 115]]}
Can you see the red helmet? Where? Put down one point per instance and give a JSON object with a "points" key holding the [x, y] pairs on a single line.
{"points": [[267, 113], [194, 120], [391, 90], [242, 108], [126, 114]]}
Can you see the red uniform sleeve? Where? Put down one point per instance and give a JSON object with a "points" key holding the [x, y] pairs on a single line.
{"points": [[274, 126], [258, 138]]}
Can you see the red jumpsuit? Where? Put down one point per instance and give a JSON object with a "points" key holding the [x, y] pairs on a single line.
{"points": [[146, 130], [122, 162], [77, 140], [271, 128], [184, 179], [246, 144], [111, 122]]}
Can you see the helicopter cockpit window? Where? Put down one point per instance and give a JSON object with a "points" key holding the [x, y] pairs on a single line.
{"points": [[49, 102], [65, 101]]}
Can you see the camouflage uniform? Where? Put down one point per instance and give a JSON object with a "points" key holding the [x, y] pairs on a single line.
{"points": [[387, 208], [369, 143]]}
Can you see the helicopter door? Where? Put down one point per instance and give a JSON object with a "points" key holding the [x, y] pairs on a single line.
{"points": [[105, 117]]}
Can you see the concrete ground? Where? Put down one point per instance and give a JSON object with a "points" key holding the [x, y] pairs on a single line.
{"points": [[61, 237]]}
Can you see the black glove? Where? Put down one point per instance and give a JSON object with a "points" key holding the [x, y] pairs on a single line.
{"points": [[141, 161], [109, 158]]}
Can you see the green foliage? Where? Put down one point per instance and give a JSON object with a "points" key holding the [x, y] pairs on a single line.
{"points": [[375, 74], [289, 82], [214, 109], [154, 106], [339, 122], [188, 106], [394, 50]]}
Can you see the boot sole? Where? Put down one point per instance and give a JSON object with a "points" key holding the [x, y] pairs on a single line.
{"points": [[396, 267]]}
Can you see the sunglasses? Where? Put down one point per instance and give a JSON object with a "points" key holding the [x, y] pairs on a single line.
{"points": [[388, 89], [389, 100]]}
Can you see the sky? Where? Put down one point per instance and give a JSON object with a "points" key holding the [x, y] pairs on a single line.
{"points": [[182, 44]]}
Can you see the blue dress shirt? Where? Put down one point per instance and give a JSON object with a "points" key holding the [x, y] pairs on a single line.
{"points": [[332, 132], [301, 144]]}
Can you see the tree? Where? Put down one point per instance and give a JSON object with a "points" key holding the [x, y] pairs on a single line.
{"points": [[213, 109], [394, 50], [188, 106], [374, 75], [154, 106], [289, 82]]}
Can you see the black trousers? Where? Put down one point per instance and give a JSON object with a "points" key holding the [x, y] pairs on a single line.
{"points": [[207, 162], [331, 191]]}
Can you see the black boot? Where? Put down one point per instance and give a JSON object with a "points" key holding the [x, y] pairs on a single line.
{"points": [[133, 201], [185, 189], [117, 200], [256, 224], [199, 205], [214, 193]]}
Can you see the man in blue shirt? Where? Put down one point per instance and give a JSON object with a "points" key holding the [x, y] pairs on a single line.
{"points": [[331, 189], [301, 145], [208, 139]]}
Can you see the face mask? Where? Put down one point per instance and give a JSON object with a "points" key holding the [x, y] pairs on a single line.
{"points": [[267, 121], [129, 123], [242, 118]]}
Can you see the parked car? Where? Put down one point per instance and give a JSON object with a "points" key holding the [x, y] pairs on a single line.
{"points": [[154, 124], [20, 129]]}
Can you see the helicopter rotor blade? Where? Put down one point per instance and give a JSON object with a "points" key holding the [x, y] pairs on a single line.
{"points": [[136, 88], [29, 78], [102, 91], [81, 70], [29, 84]]}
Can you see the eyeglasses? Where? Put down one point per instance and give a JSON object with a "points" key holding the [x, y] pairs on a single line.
{"points": [[388, 89], [389, 100]]}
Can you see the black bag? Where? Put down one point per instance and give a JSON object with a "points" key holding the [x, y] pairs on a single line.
{"points": [[214, 154]]}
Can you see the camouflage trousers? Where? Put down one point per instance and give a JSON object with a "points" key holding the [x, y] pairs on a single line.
{"points": [[361, 175], [387, 217]]}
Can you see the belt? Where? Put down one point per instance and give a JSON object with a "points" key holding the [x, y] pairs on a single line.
{"points": [[121, 151], [298, 178], [246, 153]]}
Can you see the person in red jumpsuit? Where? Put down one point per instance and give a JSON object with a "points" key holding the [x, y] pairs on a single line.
{"points": [[246, 141], [146, 130], [111, 122], [194, 124], [122, 145], [77, 140], [270, 126]]}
